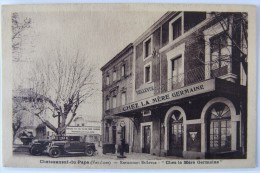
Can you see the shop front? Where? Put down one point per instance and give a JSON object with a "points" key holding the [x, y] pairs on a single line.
{"points": [[196, 121]]}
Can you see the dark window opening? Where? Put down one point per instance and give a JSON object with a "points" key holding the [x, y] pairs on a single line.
{"points": [[147, 74], [176, 29], [148, 48]]}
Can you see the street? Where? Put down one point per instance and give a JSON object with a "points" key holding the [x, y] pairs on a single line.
{"points": [[98, 155]]}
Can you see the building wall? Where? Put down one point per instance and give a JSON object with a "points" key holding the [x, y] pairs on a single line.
{"points": [[111, 124], [157, 129], [196, 55]]}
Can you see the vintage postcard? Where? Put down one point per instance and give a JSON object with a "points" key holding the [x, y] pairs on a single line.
{"points": [[162, 86]]}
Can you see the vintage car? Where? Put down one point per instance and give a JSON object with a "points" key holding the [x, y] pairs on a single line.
{"points": [[39, 146], [70, 145]]}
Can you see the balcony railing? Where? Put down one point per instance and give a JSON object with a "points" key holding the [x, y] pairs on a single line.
{"points": [[190, 77], [195, 75]]}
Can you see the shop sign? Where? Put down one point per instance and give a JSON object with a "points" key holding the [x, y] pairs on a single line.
{"points": [[177, 94], [193, 135], [144, 91], [82, 130]]}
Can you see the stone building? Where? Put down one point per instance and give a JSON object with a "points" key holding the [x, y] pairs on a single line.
{"points": [[117, 92], [189, 92]]}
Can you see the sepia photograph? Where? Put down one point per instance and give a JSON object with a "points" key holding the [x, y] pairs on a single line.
{"points": [[123, 86]]}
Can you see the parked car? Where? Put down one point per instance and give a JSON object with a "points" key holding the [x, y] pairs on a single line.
{"points": [[70, 145], [39, 146]]}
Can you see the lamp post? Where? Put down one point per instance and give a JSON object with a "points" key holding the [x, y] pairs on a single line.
{"points": [[122, 125]]}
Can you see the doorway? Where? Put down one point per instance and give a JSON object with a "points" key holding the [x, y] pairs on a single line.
{"points": [[147, 139], [176, 134]]}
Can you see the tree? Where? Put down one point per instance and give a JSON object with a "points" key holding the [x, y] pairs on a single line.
{"points": [[59, 86], [20, 117], [18, 28]]}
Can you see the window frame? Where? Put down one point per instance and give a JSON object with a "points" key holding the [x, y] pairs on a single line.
{"points": [[171, 55], [114, 104], [114, 75], [150, 76], [144, 48], [107, 103], [122, 98], [217, 131], [181, 15], [123, 70], [107, 80]]}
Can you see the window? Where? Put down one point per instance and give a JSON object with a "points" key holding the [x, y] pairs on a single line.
{"points": [[107, 104], [148, 48], [123, 70], [176, 29], [219, 54], [83, 124], [219, 125], [175, 67], [107, 80], [177, 72], [114, 101], [148, 73], [123, 98], [114, 75]]}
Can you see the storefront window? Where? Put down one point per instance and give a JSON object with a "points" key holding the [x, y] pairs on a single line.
{"points": [[219, 128]]}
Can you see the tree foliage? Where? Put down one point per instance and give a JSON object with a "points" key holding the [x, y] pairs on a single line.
{"points": [[18, 28]]}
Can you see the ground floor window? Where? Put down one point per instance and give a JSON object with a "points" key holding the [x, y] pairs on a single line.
{"points": [[219, 126]]}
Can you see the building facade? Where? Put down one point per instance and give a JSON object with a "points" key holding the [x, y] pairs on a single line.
{"points": [[189, 95], [117, 91]]}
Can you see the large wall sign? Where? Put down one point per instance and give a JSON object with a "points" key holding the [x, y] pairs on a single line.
{"points": [[145, 91], [81, 130], [199, 88]]}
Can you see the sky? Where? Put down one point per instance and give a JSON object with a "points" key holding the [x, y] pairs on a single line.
{"points": [[99, 35]]}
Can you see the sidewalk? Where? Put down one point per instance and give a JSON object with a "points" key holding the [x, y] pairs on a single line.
{"points": [[136, 156], [133, 156], [23, 150]]}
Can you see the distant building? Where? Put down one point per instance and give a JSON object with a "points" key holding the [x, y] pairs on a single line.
{"points": [[91, 130], [189, 91], [23, 120]]}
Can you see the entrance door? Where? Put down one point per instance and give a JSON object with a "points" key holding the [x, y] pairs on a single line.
{"points": [[176, 134], [147, 139], [114, 134], [219, 129]]}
